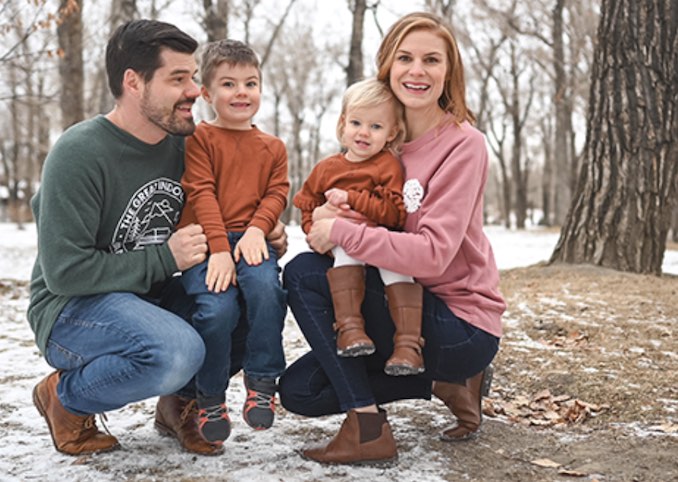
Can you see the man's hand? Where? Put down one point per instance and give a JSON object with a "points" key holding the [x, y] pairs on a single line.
{"points": [[252, 247], [188, 246], [220, 272], [278, 239]]}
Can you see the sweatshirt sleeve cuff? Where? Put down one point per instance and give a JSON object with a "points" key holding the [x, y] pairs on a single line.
{"points": [[341, 229], [168, 262]]}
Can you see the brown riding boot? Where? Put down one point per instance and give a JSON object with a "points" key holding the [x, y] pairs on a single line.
{"points": [[178, 417], [71, 434], [347, 285], [405, 302], [465, 402], [362, 438]]}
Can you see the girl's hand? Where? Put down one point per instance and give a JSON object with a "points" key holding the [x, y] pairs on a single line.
{"points": [[336, 197], [220, 272]]}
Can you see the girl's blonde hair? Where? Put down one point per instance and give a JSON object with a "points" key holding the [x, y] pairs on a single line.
{"points": [[373, 93], [453, 98]]}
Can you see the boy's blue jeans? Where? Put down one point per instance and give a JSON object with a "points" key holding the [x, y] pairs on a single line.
{"points": [[217, 314]]}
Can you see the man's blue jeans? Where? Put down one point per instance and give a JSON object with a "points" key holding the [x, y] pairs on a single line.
{"points": [[118, 348], [217, 314]]}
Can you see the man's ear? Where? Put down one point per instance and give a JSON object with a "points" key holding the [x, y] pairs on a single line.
{"points": [[132, 82]]}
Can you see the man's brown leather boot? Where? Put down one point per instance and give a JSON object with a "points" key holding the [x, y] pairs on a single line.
{"points": [[465, 403], [178, 417], [347, 285], [71, 434], [362, 438]]}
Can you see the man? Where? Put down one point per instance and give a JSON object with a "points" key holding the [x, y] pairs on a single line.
{"points": [[105, 308]]}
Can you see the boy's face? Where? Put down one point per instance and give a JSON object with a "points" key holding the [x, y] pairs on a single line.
{"points": [[367, 130], [235, 94]]}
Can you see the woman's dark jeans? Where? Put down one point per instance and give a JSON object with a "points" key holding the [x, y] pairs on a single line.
{"points": [[322, 383]]}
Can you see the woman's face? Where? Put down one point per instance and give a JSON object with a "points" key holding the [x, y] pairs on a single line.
{"points": [[419, 69]]}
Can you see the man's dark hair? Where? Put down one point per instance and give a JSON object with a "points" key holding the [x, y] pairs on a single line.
{"points": [[137, 45]]}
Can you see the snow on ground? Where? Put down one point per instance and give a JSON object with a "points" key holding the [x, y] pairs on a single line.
{"points": [[512, 249], [26, 452]]}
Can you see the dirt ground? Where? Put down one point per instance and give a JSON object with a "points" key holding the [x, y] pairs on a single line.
{"points": [[587, 377], [585, 388]]}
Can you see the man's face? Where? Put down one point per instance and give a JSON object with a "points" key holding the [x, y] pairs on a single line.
{"points": [[169, 96]]}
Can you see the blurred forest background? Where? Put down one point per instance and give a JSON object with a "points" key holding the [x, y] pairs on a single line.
{"points": [[577, 99]]}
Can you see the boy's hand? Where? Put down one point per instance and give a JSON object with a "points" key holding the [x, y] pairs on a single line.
{"points": [[252, 247], [336, 197], [220, 272]]}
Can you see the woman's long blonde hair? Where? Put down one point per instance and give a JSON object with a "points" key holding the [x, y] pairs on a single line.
{"points": [[453, 98]]}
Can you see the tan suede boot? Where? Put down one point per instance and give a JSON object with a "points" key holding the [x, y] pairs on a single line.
{"points": [[178, 417], [405, 303], [347, 285], [465, 403], [71, 434], [362, 438]]}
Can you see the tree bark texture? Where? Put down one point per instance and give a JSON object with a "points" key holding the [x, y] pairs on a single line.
{"points": [[621, 211], [562, 162], [215, 20], [354, 69], [71, 69]]}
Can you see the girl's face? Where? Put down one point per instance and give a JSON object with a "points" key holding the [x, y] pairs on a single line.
{"points": [[419, 69], [367, 130], [235, 94]]}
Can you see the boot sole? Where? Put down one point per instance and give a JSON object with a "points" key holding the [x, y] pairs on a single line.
{"points": [[43, 413], [165, 431], [383, 463], [402, 370], [355, 351]]}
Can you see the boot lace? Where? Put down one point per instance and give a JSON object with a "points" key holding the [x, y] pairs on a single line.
{"points": [[189, 409]]}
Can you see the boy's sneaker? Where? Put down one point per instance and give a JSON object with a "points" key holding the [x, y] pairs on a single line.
{"points": [[213, 421], [259, 408]]}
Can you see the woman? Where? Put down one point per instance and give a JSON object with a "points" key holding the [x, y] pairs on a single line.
{"points": [[442, 246]]}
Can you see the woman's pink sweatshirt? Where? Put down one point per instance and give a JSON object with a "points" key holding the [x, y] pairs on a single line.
{"points": [[443, 245]]}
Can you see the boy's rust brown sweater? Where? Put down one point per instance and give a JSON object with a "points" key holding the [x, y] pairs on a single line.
{"points": [[233, 180]]}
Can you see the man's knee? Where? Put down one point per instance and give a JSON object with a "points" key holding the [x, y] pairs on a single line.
{"points": [[177, 362]]}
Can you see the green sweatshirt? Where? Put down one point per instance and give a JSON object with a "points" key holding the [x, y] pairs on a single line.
{"points": [[106, 206]]}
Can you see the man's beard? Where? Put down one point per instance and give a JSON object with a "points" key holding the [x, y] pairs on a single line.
{"points": [[168, 120]]}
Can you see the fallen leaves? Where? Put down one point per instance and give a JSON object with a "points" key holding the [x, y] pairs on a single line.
{"points": [[543, 409]]}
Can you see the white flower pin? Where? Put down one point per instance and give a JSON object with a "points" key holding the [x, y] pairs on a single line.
{"points": [[413, 192]]}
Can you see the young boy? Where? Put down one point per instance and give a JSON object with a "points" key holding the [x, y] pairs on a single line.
{"points": [[236, 186]]}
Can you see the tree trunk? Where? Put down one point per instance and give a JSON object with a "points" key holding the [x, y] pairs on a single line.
{"points": [[621, 211], [216, 19], [71, 69], [354, 69], [562, 193], [547, 174]]}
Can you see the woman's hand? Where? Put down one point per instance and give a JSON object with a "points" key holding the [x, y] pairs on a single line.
{"points": [[318, 237], [328, 211]]}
